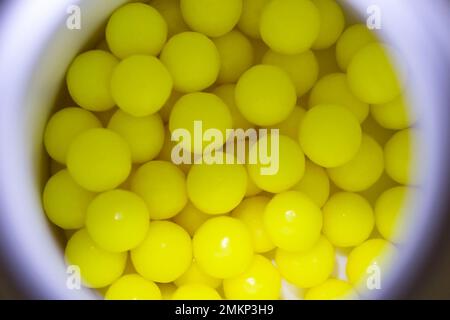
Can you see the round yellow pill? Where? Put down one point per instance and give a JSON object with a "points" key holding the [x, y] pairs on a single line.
{"points": [[162, 186], [193, 61], [395, 115], [265, 95], [236, 56], [133, 287], [332, 23], [144, 135], [290, 126], [371, 75], [223, 247], [282, 169], [303, 68], [315, 183], [88, 80], [65, 202], [141, 85], [332, 289], [290, 26], [165, 254], [98, 268], [99, 160], [63, 127], [261, 281], [330, 135], [348, 219], [171, 12], [309, 268], [334, 89], [293, 221], [251, 17], [213, 18], [136, 28], [196, 292], [251, 211], [195, 275], [363, 171], [117, 220], [191, 218]]}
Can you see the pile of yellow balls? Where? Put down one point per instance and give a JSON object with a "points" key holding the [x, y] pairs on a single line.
{"points": [[141, 227]]}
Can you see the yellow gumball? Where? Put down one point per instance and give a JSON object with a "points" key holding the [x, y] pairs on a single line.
{"points": [[251, 17], [196, 292], [332, 289], [191, 218], [171, 12], [315, 183], [133, 287], [395, 115], [290, 126], [332, 23], [195, 275]]}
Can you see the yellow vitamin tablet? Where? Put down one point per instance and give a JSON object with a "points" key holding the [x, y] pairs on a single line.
{"points": [[327, 61], [293, 221], [133, 287], [141, 85], [330, 135], [171, 12], [88, 80], [63, 127], [371, 75], [332, 23], [332, 289], [213, 18], [136, 28], [193, 61], [265, 95], [191, 218], [196, 292], [315, 183], [351, 41], [99, 159], [251, 211], [144, 135], [348, 219], [251, 17], [261, 281], [117, 220], [165, 254], [162, 186], [309, 268], [98, 268], [334, 89], [195, 275], [283, 167], [290, 26], [303, 68], [223, 247], [290, 126], [65, 202], [167, 289], [361, 172], [396, 114], [236, 56]]}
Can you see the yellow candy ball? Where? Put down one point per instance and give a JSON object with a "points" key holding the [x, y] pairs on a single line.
{"points": [[191, 218], [213, 18], [302, 68], [331, 289], [261, 281], [315, 184], [265, 95], [141, 85], [133, 287], [65, 202], [334, 89], [223, 247], [117, 220], [196, 292], [330, 135], [307, 269], [286, 167], [251, 17], [99, 160], [236, 56], [332, 23], [348, 219], [350, 42], [162, 186], [88, 80], [136, 28], [171, 12], [371, 75], [165, 254], [195, 275], [193, 61], [98, 268], [290, 26], [250, 211], [144, 135], [363, 171], [293, 221], [63, 127], [290, 126], [395, 115]]}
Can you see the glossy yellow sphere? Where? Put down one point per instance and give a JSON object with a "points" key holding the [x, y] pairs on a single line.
{"points": [[251, 17], [315, 183], [133, 287], [332, 289], [195, 275], [191, 218], [395, 115], [196, 292]]}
